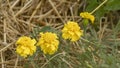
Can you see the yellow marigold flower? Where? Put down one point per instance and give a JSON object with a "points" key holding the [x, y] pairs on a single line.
{"points": [[48, 42], [87, 16], [25, 46], [72, 31]]}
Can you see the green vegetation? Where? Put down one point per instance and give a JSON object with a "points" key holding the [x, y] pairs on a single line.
{"points": [[99, 47]]}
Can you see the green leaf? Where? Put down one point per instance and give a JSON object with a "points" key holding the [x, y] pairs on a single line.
{"points": [[49, 29], [92, 4], [46, 28], [100, 12], [113, 5]]}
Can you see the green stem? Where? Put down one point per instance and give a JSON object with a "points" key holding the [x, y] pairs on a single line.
{"points": [[99, 6]]}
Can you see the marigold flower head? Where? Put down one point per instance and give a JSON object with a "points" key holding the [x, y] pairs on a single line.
{"points": [[87, 16], [48, 42], [72, 31], [25, 46]]}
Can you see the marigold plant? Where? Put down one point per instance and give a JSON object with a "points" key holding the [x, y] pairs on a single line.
{"points": [[48, 42], [87, 16], [72, 31], [25, 46]]}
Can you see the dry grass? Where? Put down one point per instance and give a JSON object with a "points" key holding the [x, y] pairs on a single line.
{"points": [[19, 17]]}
